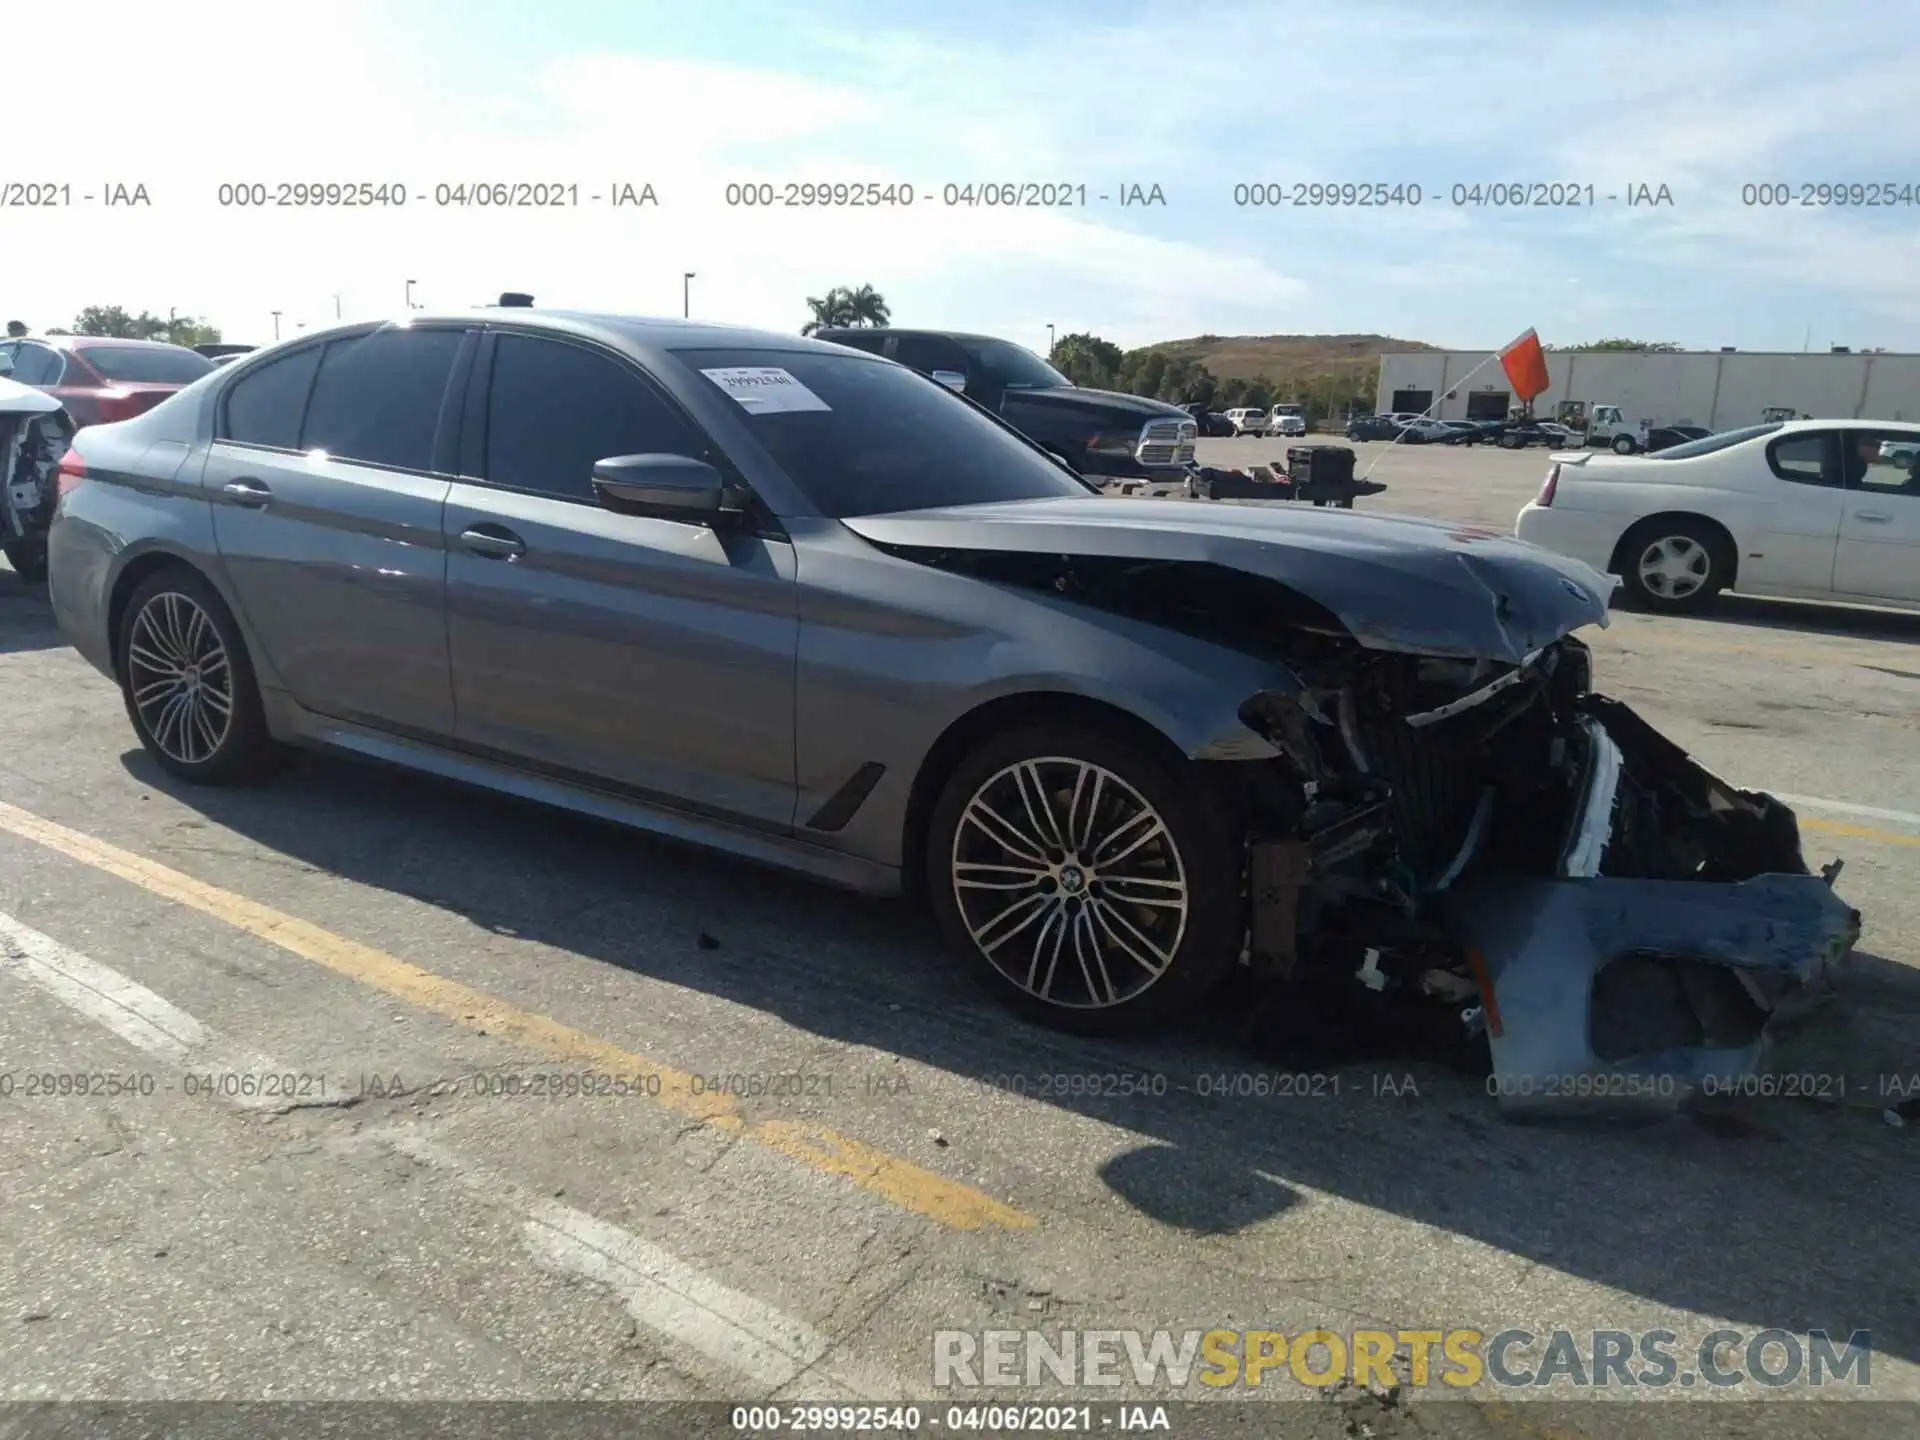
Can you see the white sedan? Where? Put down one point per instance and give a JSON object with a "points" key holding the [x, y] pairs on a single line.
{"points": [[1814, 509]]}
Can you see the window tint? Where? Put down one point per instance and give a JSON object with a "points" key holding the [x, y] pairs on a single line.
{"points": [[265, 406], [35, 365], [555, 409], [138, 365], [929, 353], [377, 397], [888, 439], [1799, 458]]}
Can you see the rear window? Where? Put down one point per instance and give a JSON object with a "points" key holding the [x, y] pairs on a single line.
{"points": [[877, 437], [137, 365], [1714, 442]]}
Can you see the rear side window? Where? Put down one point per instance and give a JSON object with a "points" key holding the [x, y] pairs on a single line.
{"points": [[265, 406], [377, 397], [1802, 459], [138, 365], [554, 409], [35, 365]]}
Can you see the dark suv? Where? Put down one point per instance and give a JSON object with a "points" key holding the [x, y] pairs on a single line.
{"points": [[1098, 432]]}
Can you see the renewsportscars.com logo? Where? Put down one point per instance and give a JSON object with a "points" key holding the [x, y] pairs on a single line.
{"points": [[1458, 1358]]}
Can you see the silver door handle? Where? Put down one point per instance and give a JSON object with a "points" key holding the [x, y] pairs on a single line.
{"points": [[493, 542], [250, 493], [1873, 517]]}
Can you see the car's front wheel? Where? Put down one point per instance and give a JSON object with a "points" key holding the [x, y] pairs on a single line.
{"points": [[1091, 883], [1676, 566], [188, 684], [1623, 445]]}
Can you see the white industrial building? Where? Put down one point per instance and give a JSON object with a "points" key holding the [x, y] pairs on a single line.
{"points": [[1721, 390]]}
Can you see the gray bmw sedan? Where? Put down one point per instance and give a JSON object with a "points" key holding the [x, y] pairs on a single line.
{"points": [[805, 605]]}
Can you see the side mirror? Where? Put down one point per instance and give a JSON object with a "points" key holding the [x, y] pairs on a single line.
{"points": [[952, 379], [672, 487]]}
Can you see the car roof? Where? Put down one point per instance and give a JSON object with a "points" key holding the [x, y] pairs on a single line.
{"points": [[83, 342], [1790, 426], [897, 330], [653, 332]]}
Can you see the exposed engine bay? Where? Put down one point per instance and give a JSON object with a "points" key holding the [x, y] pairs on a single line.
{"points": [[1523, 860], [1480, 859]]}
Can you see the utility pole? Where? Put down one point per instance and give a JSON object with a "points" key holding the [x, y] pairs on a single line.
{"points": [[336, 307], [686, 295], [276, 324], [410, 285], [1049, 340]]}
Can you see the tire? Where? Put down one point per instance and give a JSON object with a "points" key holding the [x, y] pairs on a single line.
{"points": [[1674, 567], [181, 658], [1066, 949], [28, 557], [1512, 442], [1623, 445]]}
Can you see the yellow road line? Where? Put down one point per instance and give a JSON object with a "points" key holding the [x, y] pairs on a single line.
{"points": [[947, 1202], [1859, 832]]}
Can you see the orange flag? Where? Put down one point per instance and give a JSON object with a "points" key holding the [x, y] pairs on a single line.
{"points": [[1526, 366]]}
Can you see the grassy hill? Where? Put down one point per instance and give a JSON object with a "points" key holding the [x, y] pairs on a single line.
{"points": [[1289, 359]]}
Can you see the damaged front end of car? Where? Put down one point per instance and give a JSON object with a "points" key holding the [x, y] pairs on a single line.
{"points": [[1497, 853]]}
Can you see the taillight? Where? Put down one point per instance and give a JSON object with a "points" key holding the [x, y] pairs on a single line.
{"points": [[71, 470], [1552, 483]]}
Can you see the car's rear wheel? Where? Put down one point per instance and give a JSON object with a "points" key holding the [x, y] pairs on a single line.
{"points": [[1092, 884], [1623, 445], [1676, 566], [188, 684]]}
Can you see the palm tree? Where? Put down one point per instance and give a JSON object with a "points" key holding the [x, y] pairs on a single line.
{"points": [[841, 307]]}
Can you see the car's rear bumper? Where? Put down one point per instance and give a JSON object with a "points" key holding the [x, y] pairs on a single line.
{"points": [[1580, 534]]}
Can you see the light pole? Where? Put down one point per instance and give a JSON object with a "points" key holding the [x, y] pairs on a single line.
{"points": [[276, 324], [336, 307], [1049, 341], [686, 295], [410, 285]]}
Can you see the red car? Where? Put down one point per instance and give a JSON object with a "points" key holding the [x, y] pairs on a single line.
{"points": [[98, 378]]}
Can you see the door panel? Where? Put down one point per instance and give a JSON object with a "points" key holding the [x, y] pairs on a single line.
{"points": [[1879, 556], [1799, 530], [651, 653], [338, 563], [342, 576]]}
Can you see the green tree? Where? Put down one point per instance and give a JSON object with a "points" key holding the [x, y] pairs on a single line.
{"points": [[114, 321], [1088, 360], [844, 306], [1649, 347]]}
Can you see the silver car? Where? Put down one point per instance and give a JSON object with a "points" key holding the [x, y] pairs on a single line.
{"points": [[807, 606]]}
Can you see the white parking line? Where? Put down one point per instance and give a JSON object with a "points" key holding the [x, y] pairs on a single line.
{"points": [[746, 1337], [131, 1011], [1844, 807]]}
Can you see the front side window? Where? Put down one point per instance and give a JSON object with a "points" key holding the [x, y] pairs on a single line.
{"points": [[555, 409], [863, 438], [1013, 368], [377, 397], [1801, 459], [266, 404], [928, 353]]}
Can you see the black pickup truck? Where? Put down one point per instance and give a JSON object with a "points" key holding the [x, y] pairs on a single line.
{"points": [[1100, 433]]}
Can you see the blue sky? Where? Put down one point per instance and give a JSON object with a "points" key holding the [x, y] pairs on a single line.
{"points": [[1702, 98]]}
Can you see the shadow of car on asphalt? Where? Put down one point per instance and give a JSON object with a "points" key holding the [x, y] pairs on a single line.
{"points": [[1798, 1223], [26, 618]]}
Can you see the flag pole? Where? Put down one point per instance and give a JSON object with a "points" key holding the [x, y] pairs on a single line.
{"points": [[1423, 414]]}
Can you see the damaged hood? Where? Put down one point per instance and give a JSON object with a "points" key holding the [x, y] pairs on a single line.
{"points": [[18, 399], [1421, 586]]}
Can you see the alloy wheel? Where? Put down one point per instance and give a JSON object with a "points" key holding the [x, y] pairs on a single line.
{"points": [[180, 678], [1674, 567], [1069, 882]]}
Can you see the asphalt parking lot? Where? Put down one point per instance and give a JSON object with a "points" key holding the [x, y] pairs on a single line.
{"points": [[395, 1226]]}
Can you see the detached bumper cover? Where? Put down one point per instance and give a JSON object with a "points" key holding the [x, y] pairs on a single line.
{"points": [[1629, 995]]}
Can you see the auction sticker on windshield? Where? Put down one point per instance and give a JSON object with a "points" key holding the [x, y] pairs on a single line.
{"points": [[765, 389]]}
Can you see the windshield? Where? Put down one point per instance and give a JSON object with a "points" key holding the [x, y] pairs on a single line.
{"points": [[1014, 368], [137, 365], [875, 438], [1711, 443]]}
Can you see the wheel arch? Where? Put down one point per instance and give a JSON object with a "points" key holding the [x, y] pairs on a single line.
{"points": [[975, 725], [132, 576], [1729, 547]]}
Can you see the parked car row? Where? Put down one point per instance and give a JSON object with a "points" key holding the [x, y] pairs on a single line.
{"points": [[1410, 429]]}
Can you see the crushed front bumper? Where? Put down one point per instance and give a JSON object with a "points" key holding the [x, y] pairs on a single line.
{"points": [[1608, 992]]}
